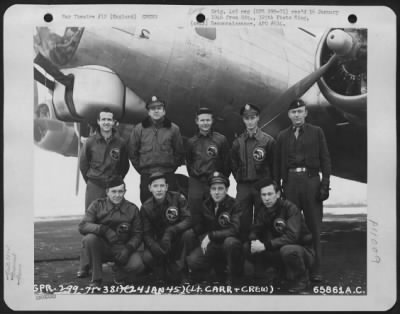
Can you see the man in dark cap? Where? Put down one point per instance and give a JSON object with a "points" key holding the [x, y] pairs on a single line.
{"points": [[216, 234], [165, 219], [252, 159], [112, 230], [104, 156], [207, 152], [155, 145], [301, 153], [280, 237]]}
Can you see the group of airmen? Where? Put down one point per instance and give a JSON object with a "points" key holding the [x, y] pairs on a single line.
{"points": [[273, 224]]}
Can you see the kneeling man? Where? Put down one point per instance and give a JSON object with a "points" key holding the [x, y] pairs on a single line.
{"points": [[218, 231], [280, 236], [112, 230], [165, 219]]}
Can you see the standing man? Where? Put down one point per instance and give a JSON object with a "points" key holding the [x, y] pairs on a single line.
{"points": [[301, 153], [207, 152], [280, 237], [112, 230], [155, 145], [103, 157], [165, 219], [216, 234], [252, 159]]}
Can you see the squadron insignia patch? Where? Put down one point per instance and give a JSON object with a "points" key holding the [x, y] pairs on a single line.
{"points": [[114, 153], [172, 214], [224, 219], [259, 154], [212, 151]]}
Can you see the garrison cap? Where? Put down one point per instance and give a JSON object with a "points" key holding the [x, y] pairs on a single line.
{"points": [[296, 104], [155, 101], [249, 109], [115, 181], [157, 175], [218, 177], [262, 183], [202, 110]]}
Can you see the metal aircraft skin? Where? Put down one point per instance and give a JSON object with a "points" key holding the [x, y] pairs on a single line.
{"points": [[220, 68]]}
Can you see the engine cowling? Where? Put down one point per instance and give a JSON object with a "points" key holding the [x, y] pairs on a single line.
{"points": [[53, 135], [344, 85]]}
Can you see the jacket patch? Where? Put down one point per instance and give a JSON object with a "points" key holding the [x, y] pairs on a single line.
{"points": [[259, 154], [172, 214], [224, 219], [279, 225], [115, 153], [212, 151]]}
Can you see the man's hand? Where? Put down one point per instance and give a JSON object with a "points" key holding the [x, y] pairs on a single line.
{"points": [[111, 236], [166, 242], [323, 193], [122, 256], [257, 246], [204, 244]]}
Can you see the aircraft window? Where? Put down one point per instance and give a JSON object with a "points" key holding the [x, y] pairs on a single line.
{"points": [[207, 32], [59, 49]]}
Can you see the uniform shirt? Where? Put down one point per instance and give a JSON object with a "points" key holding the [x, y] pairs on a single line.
{"points": [[296, 156], [156, 147], [252, 156], [206, 154], [171, 215], [100, 160], [315, 149], [264, 229], [219, 223], [103, 212]]}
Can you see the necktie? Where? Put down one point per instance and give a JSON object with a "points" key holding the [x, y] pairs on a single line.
{"points": [[296, 132], [216, 209]]}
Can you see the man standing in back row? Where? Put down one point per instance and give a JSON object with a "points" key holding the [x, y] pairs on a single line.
{"points": [[252, 159], [104, 156], [155, 145], [301, 153]]}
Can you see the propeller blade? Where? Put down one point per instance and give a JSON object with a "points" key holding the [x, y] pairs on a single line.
{"points": [[295, 91]]}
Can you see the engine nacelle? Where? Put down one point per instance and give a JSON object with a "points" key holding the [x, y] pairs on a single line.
{"points": [[53, 135], [94, 88], [344, 85]]}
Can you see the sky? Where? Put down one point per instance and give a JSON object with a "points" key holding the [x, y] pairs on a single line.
{"points": [[55, 176]]}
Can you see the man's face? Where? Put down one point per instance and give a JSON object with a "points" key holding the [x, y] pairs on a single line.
{"points": [[269, 196], [251, 121], [298, 116], [218, 192], [158, 188], [116, 193], [204, 122], [157, 112], [105, 121]]}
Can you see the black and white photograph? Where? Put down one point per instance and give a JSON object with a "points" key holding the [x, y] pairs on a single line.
{"points": [[184, 153]]}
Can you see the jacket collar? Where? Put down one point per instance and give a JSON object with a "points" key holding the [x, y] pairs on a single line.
{"points": [[256, 135], [147, 122], [98, 135], [111, 205]]}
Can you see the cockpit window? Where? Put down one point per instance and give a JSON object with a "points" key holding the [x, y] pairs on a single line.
{"points": [[207, 32], [59, 48]]}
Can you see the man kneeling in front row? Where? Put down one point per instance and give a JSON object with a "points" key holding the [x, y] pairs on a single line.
{"points": [[216, 234], [280, 237], [112, 230]]}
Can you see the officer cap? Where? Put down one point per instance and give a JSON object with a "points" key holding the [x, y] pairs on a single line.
{"points": [[155, 101], [202, 110], [249, 110], [157, 175], [115, 181], [262, 183], [218, 177], [296, 104]]}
